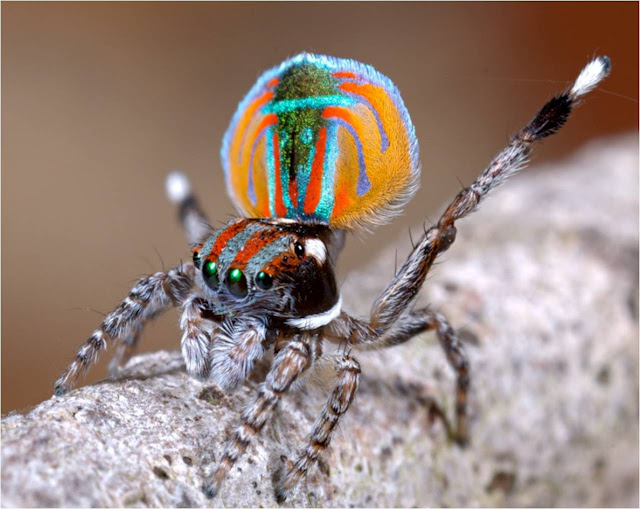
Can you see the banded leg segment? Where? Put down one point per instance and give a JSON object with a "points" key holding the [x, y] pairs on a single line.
{"points": [[348, 373], [394, 300], [362, 336], [149, 296], [289, 364], [193, 219], [197, 332]]}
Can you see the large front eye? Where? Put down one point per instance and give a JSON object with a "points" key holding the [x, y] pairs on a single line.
{"points": [[299, 249], [210, 275], [237, 283]]}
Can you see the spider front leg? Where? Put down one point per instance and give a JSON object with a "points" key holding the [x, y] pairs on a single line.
{"points": [[149, 296], [348, 374], [197, 332], [290, 362]]}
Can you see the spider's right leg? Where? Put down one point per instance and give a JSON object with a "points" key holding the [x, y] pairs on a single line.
{"points": [[149, 296], [362, 336], [288, 365], [348, 375], [192, 217]]}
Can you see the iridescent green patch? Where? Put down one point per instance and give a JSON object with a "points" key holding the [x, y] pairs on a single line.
{"points": [[303, 92]]}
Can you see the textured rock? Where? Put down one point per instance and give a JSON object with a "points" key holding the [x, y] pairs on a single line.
{"points": [[543, 281]]}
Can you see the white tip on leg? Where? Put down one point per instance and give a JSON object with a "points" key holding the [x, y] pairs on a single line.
{"points": [[177, 186], [591, 75]]}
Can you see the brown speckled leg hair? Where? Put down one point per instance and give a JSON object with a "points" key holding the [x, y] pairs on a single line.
{"points": [[289, 364], [361, 336], [149, 296], [348, 373]]}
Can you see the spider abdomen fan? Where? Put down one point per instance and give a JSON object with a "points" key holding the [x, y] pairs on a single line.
{"points": [[321, 139]]}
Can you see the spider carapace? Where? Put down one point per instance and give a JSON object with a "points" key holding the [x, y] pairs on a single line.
{"points": [[319, 146]]}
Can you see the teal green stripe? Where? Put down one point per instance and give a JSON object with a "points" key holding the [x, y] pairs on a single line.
{"points": [[319, 101], [327, 195], [271, 171]]}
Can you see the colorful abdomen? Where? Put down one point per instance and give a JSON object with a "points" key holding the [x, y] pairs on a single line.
{"points": [[321, 139]]}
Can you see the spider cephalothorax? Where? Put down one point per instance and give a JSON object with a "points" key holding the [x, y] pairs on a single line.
{"points": [[272, 267], [318, 146]]}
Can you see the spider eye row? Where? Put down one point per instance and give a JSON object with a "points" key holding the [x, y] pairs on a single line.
{"points": [[236, 280]]}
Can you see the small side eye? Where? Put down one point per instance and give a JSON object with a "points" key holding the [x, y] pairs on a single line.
{"points": [[210, 275], [196, 259], [298, 249], [237, 283], [264, 281]]}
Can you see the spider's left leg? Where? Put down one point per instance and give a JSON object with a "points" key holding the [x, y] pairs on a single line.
{"points": [[290, 362], [348, 374]]}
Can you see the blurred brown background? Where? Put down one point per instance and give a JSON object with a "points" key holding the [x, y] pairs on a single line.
{"points": [[101, 100]]}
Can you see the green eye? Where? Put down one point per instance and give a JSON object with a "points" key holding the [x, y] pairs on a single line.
{"points": [[210, 274], [264, 281], [196, 259], [237, 283]]}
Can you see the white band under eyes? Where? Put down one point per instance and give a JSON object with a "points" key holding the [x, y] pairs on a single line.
{"points": [[315, 321]]}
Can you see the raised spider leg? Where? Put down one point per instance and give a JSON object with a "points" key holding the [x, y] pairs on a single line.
{"points": [[293, 360], [361, 336], [148, 297], [393, 301], [348, 374], [193, 219]]}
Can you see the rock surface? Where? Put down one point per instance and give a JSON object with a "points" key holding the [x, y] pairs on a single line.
{"points": [[542, 282]]}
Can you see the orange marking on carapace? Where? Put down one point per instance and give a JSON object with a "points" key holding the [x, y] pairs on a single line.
{"points": [[255, 243], [281, 210], [283, 262], [314, 187], [344, 74], [273, 82], [225, 237]]}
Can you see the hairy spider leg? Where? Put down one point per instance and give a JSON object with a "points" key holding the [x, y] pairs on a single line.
{"points": [[291, 362], [149, 296], [348, 374], [193, 219], [197, 334], [411, 324]]}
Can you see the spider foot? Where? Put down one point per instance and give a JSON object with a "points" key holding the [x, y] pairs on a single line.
{"points": [[459, 437], [59, 390], [281, 495], [210, 490]]}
